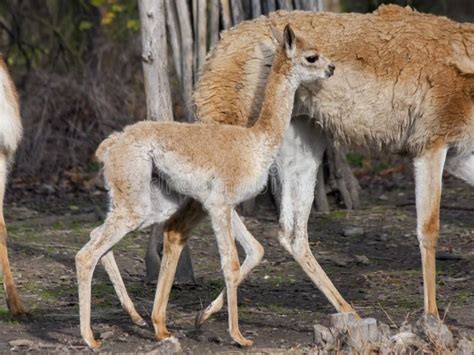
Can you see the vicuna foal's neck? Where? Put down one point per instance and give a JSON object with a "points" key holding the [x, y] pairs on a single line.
{"points": [[277, 105]]}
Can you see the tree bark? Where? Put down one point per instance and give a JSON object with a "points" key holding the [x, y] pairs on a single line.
{"points": [[226, 19], [159, 108], [174, 36], [187, 52], [201, 37], [237, 11], [214, 23], [155, 60]]}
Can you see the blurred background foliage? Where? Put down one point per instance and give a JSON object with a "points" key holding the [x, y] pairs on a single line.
{"points": [[77, 67]]}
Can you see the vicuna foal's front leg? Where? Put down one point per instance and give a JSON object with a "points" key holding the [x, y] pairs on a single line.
{"points": [[428, 178], [221, 218], [253, 255]]}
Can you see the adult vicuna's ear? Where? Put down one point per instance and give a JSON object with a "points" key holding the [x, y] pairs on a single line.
{"points": [[277, 35], [289, 39]]}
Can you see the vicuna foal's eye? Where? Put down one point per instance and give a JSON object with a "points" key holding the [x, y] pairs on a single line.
{"points": [[312, 58]]}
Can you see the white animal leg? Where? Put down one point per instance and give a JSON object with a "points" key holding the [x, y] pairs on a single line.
{"points": [[253, 256], [298, 162], [461, 166], [221, 218], [102, 239], [113, 271], [428, 178]]}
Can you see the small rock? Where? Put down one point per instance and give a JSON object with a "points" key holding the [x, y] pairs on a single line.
{"points": [[23, 342], [340, 262], [353, 232], [383, 198], [167, 346], [214, 339], [46, 189], [362, 259], [406, 339], [107, 335], [465, 347]]}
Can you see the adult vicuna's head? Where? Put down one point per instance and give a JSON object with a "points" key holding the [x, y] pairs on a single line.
{"points": [[305, 62]]}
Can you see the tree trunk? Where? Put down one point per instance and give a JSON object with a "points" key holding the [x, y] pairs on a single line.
{"points": [[226, 19], [187, 52], [159, 108]]}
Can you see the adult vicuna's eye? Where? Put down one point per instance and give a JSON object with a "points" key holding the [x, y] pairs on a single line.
{"points": [[312, 58]]}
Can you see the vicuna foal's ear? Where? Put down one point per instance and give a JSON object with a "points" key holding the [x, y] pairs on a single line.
{"points": [[289, 39], [277, 35]]}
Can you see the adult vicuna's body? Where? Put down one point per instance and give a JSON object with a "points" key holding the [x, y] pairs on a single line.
{"points": [[217, 166], [10, 135], [405, 83]]}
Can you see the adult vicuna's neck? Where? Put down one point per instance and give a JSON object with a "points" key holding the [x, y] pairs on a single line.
{"points": [[278, 100]]}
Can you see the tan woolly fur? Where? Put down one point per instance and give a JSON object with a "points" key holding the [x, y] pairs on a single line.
{"points": [[218, 166]]}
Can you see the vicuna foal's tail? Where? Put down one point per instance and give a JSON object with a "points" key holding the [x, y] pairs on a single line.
{"points": [[103, 149]]}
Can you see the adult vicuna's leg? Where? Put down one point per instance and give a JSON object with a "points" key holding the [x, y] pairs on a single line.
{"points": [[13, 300], [103, 238], [174, 238], [184, 271], [428, 179], [253, 255], [298, 162], [221, 217], [461, 166]]}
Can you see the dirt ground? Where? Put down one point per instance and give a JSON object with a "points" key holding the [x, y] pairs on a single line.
{"points": [[377, 269]]}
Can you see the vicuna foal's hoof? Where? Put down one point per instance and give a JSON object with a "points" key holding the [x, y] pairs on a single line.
{"points": [[200, 319], [93, 344], [245, 342], [140, 322], [162, 335], [242, 341]]}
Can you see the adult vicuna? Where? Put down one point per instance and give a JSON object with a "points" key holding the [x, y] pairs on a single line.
{"points": [[217, 166], [405, 83], [10, 136]]}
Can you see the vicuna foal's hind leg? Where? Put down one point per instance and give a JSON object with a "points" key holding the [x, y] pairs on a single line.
{"points": [[102, 239], [13, 300], [253, 255], [113, 271], [222, 224], [174, 238], [428, 177]]}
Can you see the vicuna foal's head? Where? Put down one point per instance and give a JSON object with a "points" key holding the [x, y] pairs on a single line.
{"points": [[306, 63]]}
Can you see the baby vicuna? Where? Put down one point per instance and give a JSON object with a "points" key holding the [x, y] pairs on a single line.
{"points": [[220, 166]]}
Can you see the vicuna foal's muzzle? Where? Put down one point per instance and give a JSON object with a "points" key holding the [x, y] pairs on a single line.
{"points": [[330, 70]]}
